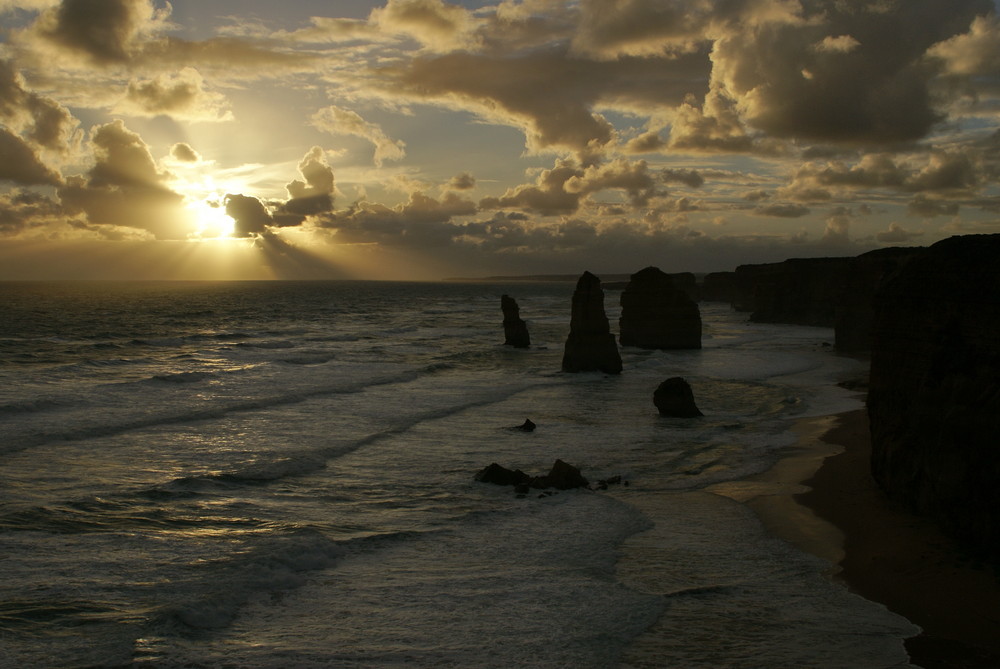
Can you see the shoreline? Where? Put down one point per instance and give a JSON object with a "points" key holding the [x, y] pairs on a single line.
{"points": [[821, 498]]}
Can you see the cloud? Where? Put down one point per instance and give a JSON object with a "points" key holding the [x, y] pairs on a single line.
{"points": [[463, 181], [251, 217], [181, 96], [312, 195], [339, 121], [124, 187], [437, 25], [422, 221], [782, 210], [20, 163], [876, 92], [547, 93], [973, 53], [896, 233], [42, 119], [103, 31], [926, 207], [182, 152], [944, 172]]}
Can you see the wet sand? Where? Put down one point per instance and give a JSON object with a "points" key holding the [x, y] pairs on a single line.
{"points": [[822, 498]]}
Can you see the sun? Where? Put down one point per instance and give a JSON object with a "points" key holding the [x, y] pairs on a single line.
{"points": [[209, 217]]}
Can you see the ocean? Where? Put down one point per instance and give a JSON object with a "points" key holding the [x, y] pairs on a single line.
{"points": [[281, 474]]}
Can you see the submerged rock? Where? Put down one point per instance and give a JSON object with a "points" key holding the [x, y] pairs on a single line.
{"points": [[515, 330], [658, 315], [590, 345], [674, 398]]}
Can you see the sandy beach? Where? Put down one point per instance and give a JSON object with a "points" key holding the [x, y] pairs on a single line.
{"points": [[822, 499]]}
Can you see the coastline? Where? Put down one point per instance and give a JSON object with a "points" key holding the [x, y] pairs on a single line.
{"points": [[822, 499]]}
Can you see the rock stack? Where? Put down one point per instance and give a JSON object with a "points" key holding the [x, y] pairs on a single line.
{"points": [[514, 329], [590, 345], [674, 398], [934, 395], [657, 315]]}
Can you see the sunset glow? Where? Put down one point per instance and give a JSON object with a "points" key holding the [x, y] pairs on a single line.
{"points": [[470, 138]]}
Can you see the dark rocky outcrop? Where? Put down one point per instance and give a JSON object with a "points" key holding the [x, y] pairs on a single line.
{"points": [[934, 394], [674, 398], [500, 475], [526, 426], [515, 330], [855, 305], [718, 287], [801, 291], [658, 315], [561, 476], [590, 345]]}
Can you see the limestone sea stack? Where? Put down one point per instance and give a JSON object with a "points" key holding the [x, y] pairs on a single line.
{"points": [[934, 395], [515, 330], [674, 398], [658, 315], [590, 345]]}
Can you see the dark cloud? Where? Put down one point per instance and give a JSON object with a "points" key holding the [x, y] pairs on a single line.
{"points": [[181, 95], [105, 31], [184, 153], [251, 217], [312, 195], [782, 210], [41, 119], [20, 163], [926, 207], [463, 181]]}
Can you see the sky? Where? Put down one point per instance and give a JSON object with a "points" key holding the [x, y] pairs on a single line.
{"points": [[422, 139]]}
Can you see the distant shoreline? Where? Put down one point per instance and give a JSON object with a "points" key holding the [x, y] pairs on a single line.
{"points": [[880, 551]]}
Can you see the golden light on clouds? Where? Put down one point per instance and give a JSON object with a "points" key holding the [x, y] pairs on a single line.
{"points": [[426, 138]]}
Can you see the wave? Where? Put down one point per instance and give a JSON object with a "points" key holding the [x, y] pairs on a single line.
{"points": [[267, 345], [30, 406], [183, 377]]}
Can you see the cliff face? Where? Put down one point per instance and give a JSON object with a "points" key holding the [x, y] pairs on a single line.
{"points": [[590, 345], [718, 287], [934, 396], [658, 315], [802, 291], [855, 304]]}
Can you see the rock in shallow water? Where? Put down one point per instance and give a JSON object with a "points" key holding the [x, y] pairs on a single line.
{"points": [[674, 398]]}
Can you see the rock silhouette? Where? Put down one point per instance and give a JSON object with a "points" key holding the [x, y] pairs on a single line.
{"points": [[674, 398], [561, 476], [590, 345], [934, 393], [658, 315], [515, 330]]}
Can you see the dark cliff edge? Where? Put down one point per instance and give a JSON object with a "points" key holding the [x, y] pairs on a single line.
{"points": [[934, 395], [854, 309], [799, 291]]}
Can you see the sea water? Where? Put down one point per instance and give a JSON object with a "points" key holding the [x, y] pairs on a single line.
{"points": [[282, 475]]}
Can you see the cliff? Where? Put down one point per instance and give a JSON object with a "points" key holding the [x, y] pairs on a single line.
{"points": [[718, 287], [801, 291], [855, 303], [658, 315], [934, 396], [590, 345]]}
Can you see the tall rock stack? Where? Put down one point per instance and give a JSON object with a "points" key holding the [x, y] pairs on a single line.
{"points": [[657, 315], [934, 395], [590, 345], [515, 330]]}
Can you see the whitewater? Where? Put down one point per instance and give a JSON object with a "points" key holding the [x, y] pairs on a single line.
{"points": [[281, 474]]}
